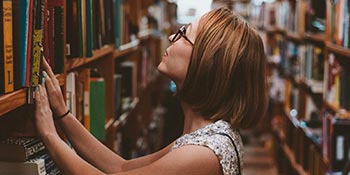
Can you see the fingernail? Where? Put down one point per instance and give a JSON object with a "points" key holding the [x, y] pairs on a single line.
{"points": [[44, 77]]}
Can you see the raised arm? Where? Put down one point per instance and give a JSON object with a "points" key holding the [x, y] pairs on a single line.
{"points": [[86, 145]]}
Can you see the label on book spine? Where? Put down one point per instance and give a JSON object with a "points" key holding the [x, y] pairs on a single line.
{"points": [[340, 148], [8, 48], [36, 57]]}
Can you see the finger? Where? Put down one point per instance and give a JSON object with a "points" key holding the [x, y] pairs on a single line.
{"points": [[48, 69], [49, 84], [56, 83], [37, 96], [44, 91]]}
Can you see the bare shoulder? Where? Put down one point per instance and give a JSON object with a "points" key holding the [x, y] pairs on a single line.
{"points": [[190, 159]]}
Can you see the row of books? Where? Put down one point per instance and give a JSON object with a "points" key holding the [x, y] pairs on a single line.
{"points": [[336, 140], [25, 155], [86, 95], [337, 82], [29, 30], [293, 16], [86, 99], [93, 24], [305, 61], [339, 29]]}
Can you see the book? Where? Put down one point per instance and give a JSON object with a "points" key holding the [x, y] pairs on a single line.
{"points": [[8, 45], [32, 167], [98, 107], [335, 141], [57, 47], [117, 22], [72, 29], [37, 55], [117, 95], [71, 92], [17, 40], [2, 73], [29, 42], [24, 22], [20, 149], [89, 28]]}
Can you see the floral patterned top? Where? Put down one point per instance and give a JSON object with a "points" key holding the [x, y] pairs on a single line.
{"points": [[215, 137]]}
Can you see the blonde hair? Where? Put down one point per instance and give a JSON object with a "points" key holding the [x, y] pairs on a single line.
{"points": [[226, 75]]}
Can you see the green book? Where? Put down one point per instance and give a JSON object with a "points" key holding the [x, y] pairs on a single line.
{"points": [[98, 108]]}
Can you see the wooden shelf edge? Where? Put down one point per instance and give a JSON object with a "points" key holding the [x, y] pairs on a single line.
{"points": [[274, 29], [315, 86], [118, 123], [126, 49], [334, 108], [13, 100], [289, 153], [61, 79], [294, 37], [316, 37], [97, 54], [338, 49]]}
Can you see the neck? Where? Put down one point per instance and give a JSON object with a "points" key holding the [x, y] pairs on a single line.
{"points": [[193, 121]]}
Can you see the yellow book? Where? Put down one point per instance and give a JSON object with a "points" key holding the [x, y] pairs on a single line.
{"points": [[8, 49]]}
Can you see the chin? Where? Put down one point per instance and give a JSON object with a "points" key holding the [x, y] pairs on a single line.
{"points": [[162, 69]]}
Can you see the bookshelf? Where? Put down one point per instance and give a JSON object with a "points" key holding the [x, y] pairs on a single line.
{"points": [[117, 38], [310, 41]]}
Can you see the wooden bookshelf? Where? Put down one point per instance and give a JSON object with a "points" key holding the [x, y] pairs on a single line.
{"points": [[319, 38], [338, 49], [294, 37], [122, 119], [335, 109], [13, 100], [290, 155], [75, 63], [274, 29], [126, 49]]}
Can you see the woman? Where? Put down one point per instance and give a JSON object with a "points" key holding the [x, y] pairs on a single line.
{"points": [[218, 65]]}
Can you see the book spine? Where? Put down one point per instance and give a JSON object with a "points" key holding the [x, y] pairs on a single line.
{"points": [[33, 150], [29, 41], [2, 75], [89, 28], [58, 37], [37, 44], [24, 39], [16, 43], [8, 45]]}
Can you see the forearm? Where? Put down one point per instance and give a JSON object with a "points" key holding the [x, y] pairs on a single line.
{"points": [[66, 159], [89, 148]]}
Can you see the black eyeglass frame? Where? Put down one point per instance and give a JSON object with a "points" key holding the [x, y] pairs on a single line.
{"points": [[181, 33]]}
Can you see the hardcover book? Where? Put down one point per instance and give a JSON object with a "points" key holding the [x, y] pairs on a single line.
{"points": [[20, 149]]}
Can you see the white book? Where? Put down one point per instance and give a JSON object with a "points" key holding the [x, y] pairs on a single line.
{"points": [[32, 167]]}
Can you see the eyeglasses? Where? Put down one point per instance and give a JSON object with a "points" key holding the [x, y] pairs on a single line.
{"points": [[181, 33]]}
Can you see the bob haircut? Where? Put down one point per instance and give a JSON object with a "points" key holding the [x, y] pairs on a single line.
{"points": [[226, 74]]}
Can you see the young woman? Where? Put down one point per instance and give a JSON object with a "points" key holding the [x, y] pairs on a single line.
{"points": [[218, 65]]}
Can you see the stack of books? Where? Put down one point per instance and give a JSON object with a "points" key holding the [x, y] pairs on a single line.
{"points": [[25, 155]]}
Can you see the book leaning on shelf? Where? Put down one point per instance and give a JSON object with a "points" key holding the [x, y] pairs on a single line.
{"points": [[25, 155]]}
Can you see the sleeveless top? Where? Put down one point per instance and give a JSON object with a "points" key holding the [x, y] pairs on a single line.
{"points": [[215, 137]]}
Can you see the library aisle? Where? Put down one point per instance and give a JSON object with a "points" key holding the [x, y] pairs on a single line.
{"points": [[257, 157]]}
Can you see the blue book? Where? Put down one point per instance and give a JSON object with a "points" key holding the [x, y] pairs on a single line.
{"points": [[24, 6]]}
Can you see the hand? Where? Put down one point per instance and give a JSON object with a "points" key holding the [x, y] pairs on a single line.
{"points": [[54, 91], [43, 114]]}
